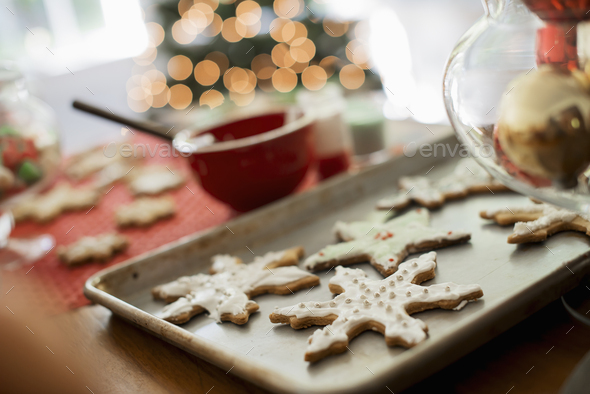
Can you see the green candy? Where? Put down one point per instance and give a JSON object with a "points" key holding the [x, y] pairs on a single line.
{"points": [[29, 172], [7, 130]]}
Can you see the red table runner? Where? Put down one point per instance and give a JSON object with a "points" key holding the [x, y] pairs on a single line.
{"points": [[61, 286]]}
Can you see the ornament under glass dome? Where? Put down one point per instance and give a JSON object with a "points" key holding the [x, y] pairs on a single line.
{"points": [[517, 95]]}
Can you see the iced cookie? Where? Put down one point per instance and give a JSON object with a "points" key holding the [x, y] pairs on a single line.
{"points": [[227, 293], [384, 245], [84, 164], [380, 305], [61, 198], [145, 211], [101, 248], [534, 223], [153, 179], [468, 178]]}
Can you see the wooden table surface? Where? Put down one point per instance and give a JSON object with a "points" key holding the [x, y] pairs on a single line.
{"points": [[535, 356]]}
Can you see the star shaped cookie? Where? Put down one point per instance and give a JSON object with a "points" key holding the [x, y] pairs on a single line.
{"points": [[226, 293], [61, 198], [381, 305], [536, 222], [468, 178], [99, 248], [384, 245]]}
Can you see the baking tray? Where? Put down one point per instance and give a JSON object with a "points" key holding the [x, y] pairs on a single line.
{"points": [[516, 280]]}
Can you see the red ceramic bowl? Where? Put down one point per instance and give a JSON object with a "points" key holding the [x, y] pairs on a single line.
{"points": [[256, 160]]}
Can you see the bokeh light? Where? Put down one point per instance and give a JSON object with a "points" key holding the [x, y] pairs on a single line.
{"points": [[242, 99], [180, 96], [281, 55], [214, 27], [239, 80], [329, 64], [288, 8], [248, 12], [212, 98], [233, 30], [179, 33], [146, 57], [263, 66], [357, 52], [180, 67], [294, 31], [299, 67], [276, 28], [184, 6], [284, 80], [155, 33], [334, 28], [314, 77], [220, 59], [352, 76], [162, 98], [302, 50], [207, 72]]}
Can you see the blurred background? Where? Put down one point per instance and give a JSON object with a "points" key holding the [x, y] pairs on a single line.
{"points": [[190, 62]]}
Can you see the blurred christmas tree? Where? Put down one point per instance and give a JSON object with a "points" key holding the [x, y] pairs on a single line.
{"points": [[210, 48]]}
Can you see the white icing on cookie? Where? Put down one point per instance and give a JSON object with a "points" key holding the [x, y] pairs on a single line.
{"points": [[467, 177], [154, 180], [387, 244], [222, 262], [550, 215], [385, 303], [228, 290]]}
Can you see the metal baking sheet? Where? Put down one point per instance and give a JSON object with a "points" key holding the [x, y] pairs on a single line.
{"points": [[516, 280]]}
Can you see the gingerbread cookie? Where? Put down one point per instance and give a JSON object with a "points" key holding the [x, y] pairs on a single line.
{"points": [[534, 223], [82, 165], [380, 305], [61, 198], [153, 179], [384, 245], [145, 211], [101, 247], [227, 294], [468, 178]]}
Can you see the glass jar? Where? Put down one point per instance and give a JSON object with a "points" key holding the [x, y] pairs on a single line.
{"points": [[509, 41], [29, 145]]}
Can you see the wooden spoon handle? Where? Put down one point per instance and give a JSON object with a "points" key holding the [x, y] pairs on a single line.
{"points": [[149, 127]]}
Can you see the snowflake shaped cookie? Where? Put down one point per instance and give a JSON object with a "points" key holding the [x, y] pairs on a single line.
{"points": [[381, 305], [384, 245], [468, 178], [61, 198], [534, 223], [226, 293]]}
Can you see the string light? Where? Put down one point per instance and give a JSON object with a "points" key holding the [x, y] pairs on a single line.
{"points": [[293, 54]]}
